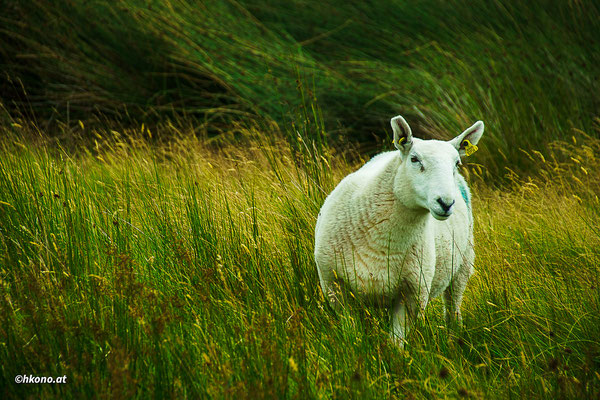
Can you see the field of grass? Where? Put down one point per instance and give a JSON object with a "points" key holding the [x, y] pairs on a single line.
{"points": [[186, 270], [162, 165]]}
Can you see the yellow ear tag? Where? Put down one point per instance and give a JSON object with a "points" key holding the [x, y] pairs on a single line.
{"points": [[402, 139], [469, 147]]}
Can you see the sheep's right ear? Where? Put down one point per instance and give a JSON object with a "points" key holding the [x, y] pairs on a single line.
{"points": [[402, 133]]}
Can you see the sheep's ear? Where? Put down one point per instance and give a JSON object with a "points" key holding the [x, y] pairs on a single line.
{"points": [[466, 142], [402, 133]]}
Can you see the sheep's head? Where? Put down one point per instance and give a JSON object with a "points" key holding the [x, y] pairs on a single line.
{"points": [[427, 174]]}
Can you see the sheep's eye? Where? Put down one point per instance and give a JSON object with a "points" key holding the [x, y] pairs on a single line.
{"points": [[414, 159], [457, 164]]}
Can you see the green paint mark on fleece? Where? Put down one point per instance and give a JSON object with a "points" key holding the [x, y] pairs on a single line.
{"points": [[465, 194]]}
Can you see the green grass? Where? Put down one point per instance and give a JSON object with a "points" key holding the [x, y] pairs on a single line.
{"points": [[528, 69], [162, 165], [186, 270]]}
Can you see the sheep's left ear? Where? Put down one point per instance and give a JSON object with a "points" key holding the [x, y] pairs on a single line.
{"points": [[466, 142]]}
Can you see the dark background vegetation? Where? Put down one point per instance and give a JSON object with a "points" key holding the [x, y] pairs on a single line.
{"points": [[530, 70]]}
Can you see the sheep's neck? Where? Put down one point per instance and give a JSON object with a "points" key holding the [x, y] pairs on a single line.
{"points": [[399, 226], [389, 220]]}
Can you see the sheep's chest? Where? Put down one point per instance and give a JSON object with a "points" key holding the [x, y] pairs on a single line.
{"points": [[378, 265], [451, 248]]}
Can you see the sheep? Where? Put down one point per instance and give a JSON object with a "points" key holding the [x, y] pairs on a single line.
{"points": [[399, 231]]}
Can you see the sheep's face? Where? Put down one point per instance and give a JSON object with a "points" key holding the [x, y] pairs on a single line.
{"points": [[427, 175], [429, 168]]}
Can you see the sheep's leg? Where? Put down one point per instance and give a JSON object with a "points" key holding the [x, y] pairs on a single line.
{"points": [[406, 310], [400, 323], [453, 295], [330, 288]]}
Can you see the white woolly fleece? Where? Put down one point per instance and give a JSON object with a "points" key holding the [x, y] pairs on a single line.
{"points": [[399, 230]]}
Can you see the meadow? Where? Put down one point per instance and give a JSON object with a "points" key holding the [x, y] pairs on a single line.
{"points": [[162, 165], [186, 270]]}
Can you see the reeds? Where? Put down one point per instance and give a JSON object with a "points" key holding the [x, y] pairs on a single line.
{"points": [[528, 69], [185, 270]]}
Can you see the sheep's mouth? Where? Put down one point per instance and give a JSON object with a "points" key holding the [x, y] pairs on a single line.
{"points": [[441, 217]]}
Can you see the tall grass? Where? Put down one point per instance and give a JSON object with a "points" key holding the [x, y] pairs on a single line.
{"points": [[160, 242], [528, 69], [185, 270]]}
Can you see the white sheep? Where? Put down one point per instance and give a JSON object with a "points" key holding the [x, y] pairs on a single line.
{"points": [[399, 231]]}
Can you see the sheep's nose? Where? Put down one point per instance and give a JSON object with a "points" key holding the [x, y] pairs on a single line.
{"points": [[445, 206]]}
